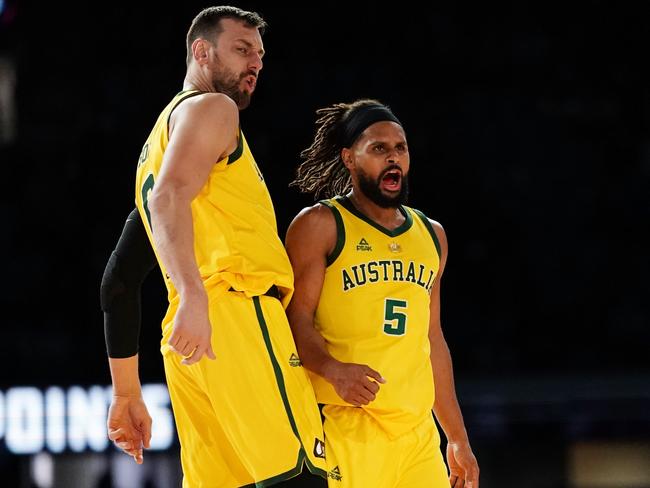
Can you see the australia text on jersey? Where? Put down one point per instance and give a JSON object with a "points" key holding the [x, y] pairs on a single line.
{"points": [[387, 270]]}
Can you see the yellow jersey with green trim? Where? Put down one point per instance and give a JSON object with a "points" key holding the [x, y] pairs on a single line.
{"points": [[374, 310], [236, 242]]}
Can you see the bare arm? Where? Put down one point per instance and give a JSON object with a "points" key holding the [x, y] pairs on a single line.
{"points": [[203, 130], [461, 460], [315, 226], [310, 238]]}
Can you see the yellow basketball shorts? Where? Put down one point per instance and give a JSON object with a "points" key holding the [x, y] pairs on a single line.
{"points": [[250, 416], [360, 454]]}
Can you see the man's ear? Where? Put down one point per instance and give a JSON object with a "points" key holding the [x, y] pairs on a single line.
{"points": [[200, 48], [346, 156]]}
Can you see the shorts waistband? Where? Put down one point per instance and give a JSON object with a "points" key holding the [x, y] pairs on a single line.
{"points": [[274, 292]]}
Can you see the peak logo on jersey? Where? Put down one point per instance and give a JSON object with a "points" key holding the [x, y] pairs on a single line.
{"points": [[319, 448], [363, 245], [335, 474], [294, 361]]}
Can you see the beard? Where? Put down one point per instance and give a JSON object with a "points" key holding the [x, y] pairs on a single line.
{"points": [[372, 190], [226, 82]]}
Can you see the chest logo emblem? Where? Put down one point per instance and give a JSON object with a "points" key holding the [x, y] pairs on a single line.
{"points": [[394, 247], [363, 245]]}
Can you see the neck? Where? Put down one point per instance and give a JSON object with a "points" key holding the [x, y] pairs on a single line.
{"points": [[197, 80], [390, 218]]}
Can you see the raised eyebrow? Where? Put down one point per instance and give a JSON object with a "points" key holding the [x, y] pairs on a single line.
{"points": [[250, 45]]}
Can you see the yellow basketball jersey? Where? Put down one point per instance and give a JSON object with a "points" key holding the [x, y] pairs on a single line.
{"points": [[236, 242], [374, 310]]}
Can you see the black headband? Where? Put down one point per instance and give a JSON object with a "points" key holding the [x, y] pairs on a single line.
{"points": [[360, 119]]}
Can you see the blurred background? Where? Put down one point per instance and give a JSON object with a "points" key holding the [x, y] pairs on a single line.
{"points": [[529, 132]]}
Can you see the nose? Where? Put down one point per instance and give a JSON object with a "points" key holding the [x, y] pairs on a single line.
{"points": [[393, 157], [255, 64]]}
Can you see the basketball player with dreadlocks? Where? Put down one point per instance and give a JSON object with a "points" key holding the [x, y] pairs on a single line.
{"points": [[366, 310]]}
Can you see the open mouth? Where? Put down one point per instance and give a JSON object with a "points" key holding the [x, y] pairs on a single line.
{"points": [[392, 180], [250, 82]]}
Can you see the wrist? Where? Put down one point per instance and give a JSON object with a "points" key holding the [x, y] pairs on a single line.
{"points": [[461, 440], [127, 394], [328, 368], [192, 292]]}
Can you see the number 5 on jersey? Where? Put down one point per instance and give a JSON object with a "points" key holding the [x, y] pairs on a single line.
{"points": [[395, 316]]}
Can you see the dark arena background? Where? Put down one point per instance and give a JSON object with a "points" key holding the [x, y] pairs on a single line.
{"points": [[529, 133]]}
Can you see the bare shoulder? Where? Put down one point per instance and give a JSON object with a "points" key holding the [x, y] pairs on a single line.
{"points": [[317, 219], [442, 239], [208, 109], [438, 229], [318, 214], [204, 128], [440, 232], [316, 224], [213, 101]]}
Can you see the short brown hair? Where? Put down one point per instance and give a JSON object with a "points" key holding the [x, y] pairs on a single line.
{"points": [[207, 25]]}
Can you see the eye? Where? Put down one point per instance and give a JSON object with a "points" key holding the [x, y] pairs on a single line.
{"points": [[242, 50], [378, 148]]}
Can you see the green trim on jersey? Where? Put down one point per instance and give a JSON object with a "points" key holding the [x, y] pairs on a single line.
{"points": [[408, 218], [276, 367], [313, 469], [292, 473], [302, 456], [429, 227], [188, 94], [239, 150], [236, 154], [340, 232]]}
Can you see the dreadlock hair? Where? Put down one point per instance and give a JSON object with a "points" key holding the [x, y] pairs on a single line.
{"points": [[207, 24], [322, 172]]}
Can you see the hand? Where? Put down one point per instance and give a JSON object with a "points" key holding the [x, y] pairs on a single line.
{"points": [[463, 467], [192, 331], [351, 381], [129, 425]]}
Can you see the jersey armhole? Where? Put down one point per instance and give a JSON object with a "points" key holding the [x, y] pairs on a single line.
{"points": [[340, 232], [236, 154], [429, 227]]}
